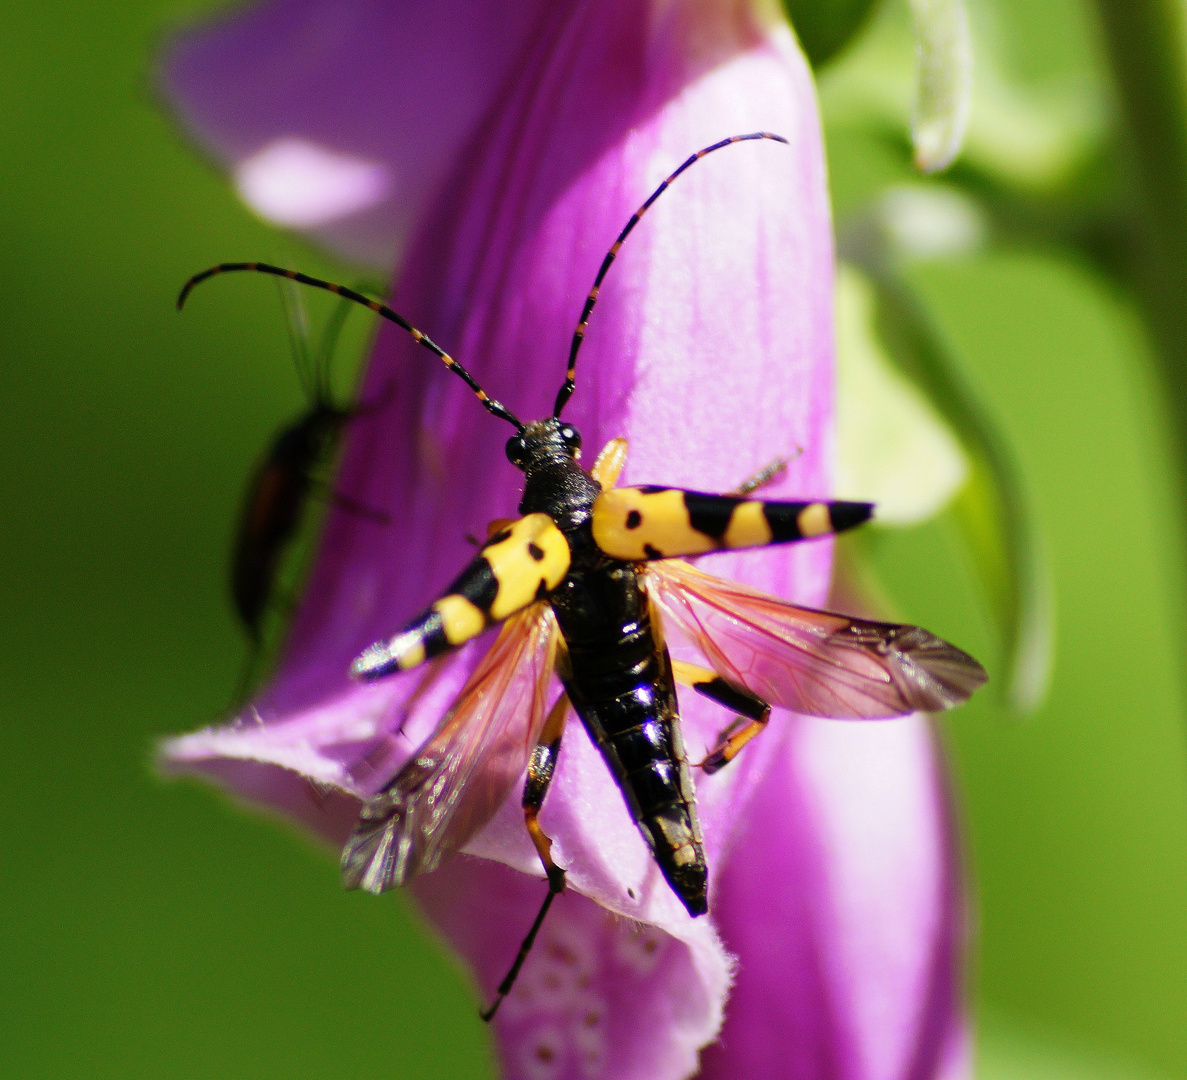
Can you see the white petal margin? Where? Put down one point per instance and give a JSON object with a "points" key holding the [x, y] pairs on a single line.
{"points": [[944, 81], [892, 447], [298, 184]]}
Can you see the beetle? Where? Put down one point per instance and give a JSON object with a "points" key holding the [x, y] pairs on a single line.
{"points": [[278, 490], [583, 583]]}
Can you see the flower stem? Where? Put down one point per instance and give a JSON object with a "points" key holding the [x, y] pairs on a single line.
{"points": [[1146, 42]]}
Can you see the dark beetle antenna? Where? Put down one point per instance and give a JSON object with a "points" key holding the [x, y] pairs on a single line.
{"points": [[566, 390], [491, 406]]}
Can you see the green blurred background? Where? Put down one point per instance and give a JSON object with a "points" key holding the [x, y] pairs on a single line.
{"points": [[154, 930]]}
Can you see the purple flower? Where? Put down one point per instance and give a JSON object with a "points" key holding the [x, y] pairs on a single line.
{"points": [[501, 147]]}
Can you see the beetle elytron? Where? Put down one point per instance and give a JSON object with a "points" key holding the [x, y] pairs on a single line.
{"points": [[583, 582]]}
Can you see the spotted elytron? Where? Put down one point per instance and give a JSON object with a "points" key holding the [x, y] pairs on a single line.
{"points": [[583, 582]]}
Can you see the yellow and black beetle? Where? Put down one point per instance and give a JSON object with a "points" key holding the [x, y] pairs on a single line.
{"points": [[583, 582]]}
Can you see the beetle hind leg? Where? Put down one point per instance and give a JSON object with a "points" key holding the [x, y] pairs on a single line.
{"points": [[753, 712], [768, 474], [541, 768]]}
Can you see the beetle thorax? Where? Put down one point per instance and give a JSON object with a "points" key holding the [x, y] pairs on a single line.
{"points": [[546, 452]]}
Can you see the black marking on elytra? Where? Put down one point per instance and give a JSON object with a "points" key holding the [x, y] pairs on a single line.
{"points": [[634, 519], [710, 514], [498, 538], [535, 551], [847, 515], [652, 552], [783, 519], [477, 584], [432, 632]]}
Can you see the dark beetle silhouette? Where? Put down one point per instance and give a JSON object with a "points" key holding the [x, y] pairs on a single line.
{"points": [[278, 493]]}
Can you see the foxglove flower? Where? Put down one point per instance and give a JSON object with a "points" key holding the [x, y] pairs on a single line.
{"points": [[500, 148]]}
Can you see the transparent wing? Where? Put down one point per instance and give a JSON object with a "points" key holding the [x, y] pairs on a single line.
{"points": [[814, 662], [457, 780]]}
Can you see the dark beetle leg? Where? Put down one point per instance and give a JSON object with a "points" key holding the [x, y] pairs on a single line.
{"points": [[540, 773], [749, 708]]}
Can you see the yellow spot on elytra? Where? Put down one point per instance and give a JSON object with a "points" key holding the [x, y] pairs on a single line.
{"points": [[747, 527], [662, 524], [408, 653], [417, 335], [519, 572], [813, 520], [460, 619], [481, 394]]}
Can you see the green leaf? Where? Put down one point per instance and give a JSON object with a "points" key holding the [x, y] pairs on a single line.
{"points": [[825, 27], [993, 509], [893, 449]]}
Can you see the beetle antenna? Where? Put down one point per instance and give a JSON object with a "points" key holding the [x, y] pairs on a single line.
{"points": [[567, 387], [493, 407]]}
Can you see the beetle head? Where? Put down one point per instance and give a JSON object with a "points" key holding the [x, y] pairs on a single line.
{"points": [[544, 442]]}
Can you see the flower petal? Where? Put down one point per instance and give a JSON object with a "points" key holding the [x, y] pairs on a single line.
{"points": [[711, 350], [344, 117], [729, 263], [601, 996], [842, 903]]}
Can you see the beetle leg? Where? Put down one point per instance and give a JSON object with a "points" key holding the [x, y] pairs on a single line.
{"points": [[353, 506], [768, 474], [610, 462], [540, 772], [753, 712]]}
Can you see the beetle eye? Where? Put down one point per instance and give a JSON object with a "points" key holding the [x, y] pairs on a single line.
{"points": [[571, 437], [517, 450]]}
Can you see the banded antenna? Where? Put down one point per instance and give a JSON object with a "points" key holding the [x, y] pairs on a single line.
{"points": [[569, 385], [490, 404]]}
